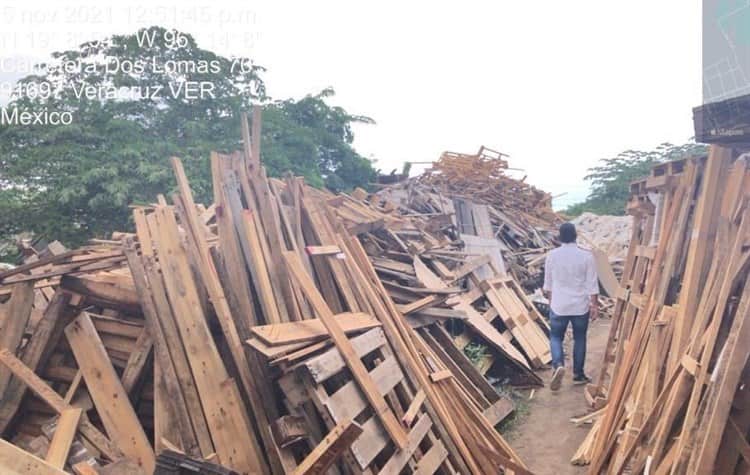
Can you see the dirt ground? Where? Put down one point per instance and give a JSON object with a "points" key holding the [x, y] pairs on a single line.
{"points": [[545, 439]]}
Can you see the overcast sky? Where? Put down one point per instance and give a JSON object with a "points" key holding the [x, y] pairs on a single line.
{"points": [[556, 85]]}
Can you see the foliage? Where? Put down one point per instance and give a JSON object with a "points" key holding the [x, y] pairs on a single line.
{"points": [[73, 182], [610, 181], [475, 352]]}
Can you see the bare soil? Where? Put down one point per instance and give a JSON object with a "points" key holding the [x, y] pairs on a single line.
{"points": [[545, 439]]}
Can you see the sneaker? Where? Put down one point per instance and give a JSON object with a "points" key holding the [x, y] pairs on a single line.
{"points": [[581, 379], [557, 378]]}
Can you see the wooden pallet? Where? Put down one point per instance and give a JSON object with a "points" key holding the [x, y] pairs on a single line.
{"points": [[324, 381]]}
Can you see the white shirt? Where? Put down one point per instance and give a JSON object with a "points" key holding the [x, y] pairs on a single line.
{"points": [[570, 274]]}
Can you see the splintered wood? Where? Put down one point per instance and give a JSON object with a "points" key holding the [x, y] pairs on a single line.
{"points": [[673, 390], [280, 329]]}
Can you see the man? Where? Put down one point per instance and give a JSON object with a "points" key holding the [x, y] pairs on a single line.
{"points": [[572, 287]]}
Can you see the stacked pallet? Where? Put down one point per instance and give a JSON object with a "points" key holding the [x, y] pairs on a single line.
{"points": [[674, 392], [256, 334]]}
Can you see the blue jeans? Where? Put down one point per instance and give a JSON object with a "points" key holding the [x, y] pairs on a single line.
{"points": [[558, 326]]}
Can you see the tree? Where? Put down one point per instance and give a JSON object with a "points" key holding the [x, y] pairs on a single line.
{"points": [[134, 102], [610, 181]]}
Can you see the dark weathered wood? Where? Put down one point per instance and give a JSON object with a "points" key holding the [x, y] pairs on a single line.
{"points": [[14, 315], [45, 336]]}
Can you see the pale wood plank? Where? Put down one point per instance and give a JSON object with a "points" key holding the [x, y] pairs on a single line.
{"points": [[330, 448], [65, 430], [14, 461], [111, 400]]}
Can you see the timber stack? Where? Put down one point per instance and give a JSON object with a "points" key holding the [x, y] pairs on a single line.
{"points": [[281, 329], [673, 394]]}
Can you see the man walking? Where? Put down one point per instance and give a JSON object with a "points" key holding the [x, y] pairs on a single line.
{"points": [[572, 287]]}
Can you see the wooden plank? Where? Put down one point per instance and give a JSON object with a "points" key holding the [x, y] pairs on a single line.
{"points": [[322, 250], [441, 375], [138, 361], [56, 402], [111, 400], [252, 250], [725, 380], [398, 461], [376, 400], [703, 232], [14, 315], [312, 330], [14, 461], [65, 429], [414, 406], [432, 460], [44, 338], [205, 362], [419, 304], [170, 356], [324, 366], [330, 448], [498, 411], [347, 402], [604, 271]]}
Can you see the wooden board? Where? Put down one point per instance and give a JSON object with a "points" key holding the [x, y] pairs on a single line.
{"points": [[56, 402], [228, 426], [376, 400], [111, 400], [14, 461], [65, 429], [312, 330], [331, 448]]}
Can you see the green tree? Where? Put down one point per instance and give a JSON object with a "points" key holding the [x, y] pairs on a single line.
{"points": [[610, 181], [73, 182]]}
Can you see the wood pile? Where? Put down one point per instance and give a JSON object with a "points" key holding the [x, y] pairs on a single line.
{"points": [[492, 212], [673, 393], [259, 335]]}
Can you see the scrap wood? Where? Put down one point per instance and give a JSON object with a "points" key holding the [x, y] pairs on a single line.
{"points": [[694, 303], [14, 460], [111, 400], [333, 445], [312, 330], [151, 296], [385, 414]]}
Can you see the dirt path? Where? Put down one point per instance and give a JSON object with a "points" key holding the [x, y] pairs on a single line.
{"points": [[546, 439]]}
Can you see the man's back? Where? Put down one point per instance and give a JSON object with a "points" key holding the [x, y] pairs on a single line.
{"points": [[570, 276]]}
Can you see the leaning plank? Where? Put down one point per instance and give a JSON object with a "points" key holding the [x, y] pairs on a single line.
{"points": [[312, 330], [111, 400], [376, 400], [14, 316], [65, 430], [233, 438], [604, 271], [14, 461], [332, 447], [56, 402], [725, 378], [132, 376]]}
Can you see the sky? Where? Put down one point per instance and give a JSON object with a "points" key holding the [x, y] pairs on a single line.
{"points": [[555, 85]]}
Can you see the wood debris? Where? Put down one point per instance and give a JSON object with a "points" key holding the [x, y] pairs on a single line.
{"points": [[674, 382], [493, 213], [281, 329]]}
